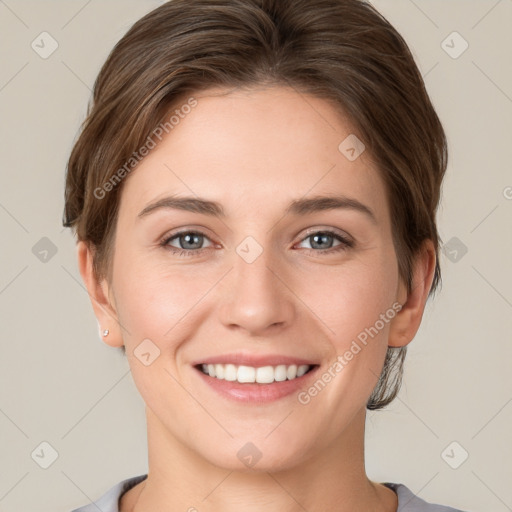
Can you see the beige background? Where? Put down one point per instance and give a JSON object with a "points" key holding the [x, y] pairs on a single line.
{"points": [[61, 385]]}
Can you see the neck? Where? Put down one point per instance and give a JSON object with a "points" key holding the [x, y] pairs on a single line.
{"points": [[332, 479]]}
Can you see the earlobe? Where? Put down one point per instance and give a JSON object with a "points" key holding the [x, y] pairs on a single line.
{"points": [[98, 291], [407, 322]]}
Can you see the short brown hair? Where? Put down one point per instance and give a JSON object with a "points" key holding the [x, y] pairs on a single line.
{"points": [[344, 51]]}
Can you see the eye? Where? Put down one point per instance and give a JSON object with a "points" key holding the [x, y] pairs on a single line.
{"points": [[322, 242], [189, 242]]}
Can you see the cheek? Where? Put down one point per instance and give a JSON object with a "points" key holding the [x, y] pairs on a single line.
{"points": [[158, 309], [152, 298], [355, 306], [353, 297]]}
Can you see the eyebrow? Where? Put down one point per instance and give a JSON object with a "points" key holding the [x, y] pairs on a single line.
{"points": [[299, 207]]}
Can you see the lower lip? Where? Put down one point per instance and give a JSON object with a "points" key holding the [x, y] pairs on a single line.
{"points": [[254, 392]]}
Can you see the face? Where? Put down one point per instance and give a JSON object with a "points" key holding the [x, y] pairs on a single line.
{"points": [[269, 278]]}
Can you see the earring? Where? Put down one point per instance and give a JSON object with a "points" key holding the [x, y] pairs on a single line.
{"points": [[105, 332]]}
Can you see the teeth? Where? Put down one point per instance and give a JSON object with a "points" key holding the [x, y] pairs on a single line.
{"points": [[219, 370], [261, 375], [301, 370]]}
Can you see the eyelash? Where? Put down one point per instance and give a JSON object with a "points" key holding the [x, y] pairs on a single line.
{"points": [[343, 246]]}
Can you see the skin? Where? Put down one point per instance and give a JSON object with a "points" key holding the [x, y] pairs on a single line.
{"points": [[254, 151]]}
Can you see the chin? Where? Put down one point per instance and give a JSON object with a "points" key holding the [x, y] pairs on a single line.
{"points": [[258, 455]]}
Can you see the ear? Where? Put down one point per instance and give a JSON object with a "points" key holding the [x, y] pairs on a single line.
{"points": [[99, 293], [406, 323]]}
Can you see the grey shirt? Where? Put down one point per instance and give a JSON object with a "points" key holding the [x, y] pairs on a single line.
{"points": [[407, 501]]}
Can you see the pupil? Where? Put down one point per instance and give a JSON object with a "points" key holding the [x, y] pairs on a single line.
{"points": [[190, 237], [321, 237]]}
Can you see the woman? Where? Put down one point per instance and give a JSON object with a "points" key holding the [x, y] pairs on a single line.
{"points": [[254, 195]]}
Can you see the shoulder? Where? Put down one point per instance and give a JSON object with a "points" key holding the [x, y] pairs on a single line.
{"points": [[409, 502], [109, 502]]}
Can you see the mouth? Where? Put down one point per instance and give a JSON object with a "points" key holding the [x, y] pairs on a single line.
{"points": [[255, 375], [262, 383]]}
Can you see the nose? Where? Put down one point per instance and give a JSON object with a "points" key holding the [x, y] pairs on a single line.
{"points": [[256, 297]]}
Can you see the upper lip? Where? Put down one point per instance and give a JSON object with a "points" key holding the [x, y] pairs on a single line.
{"points": [[254, 360]]}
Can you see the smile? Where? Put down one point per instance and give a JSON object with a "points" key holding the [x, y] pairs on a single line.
{"points": [[250, 374]]}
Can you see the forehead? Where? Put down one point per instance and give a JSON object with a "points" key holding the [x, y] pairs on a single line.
{"points": [[255, 147]]}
